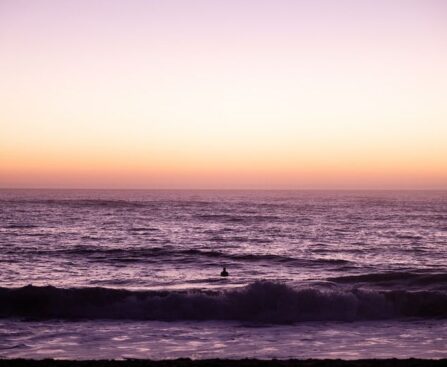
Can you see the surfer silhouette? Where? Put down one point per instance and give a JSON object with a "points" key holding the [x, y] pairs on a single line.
{"points": [[224, 272]]}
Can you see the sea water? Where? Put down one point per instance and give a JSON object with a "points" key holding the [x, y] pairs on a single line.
{"points": [[136, 274]]}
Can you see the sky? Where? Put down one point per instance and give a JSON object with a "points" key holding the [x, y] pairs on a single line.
{"points": [[234, 94]]}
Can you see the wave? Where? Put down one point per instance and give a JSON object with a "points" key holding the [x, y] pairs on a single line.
{"points": [[397, 279], [154, 253], [237, 218], [77, 202], [262, 301], [20, 226]]}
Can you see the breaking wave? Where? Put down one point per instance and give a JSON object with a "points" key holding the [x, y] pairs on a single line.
{"points": [[263, 301]]}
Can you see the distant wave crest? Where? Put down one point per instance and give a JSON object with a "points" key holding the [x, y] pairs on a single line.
{"points": [[265, 302], [154, 253], [398, 279]]}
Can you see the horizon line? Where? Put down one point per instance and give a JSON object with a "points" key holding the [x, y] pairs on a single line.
{"points": [[221, 189]]}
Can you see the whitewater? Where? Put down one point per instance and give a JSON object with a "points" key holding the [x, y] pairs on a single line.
{"points": [[135, 274]]}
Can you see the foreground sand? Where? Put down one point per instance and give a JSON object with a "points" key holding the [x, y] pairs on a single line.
{"points": [[228, 363]]}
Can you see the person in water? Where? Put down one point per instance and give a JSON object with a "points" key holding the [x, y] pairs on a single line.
{"points": [[224, 272]]}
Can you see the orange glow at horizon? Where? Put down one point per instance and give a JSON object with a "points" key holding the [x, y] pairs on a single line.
{"points": [[283, 96]]}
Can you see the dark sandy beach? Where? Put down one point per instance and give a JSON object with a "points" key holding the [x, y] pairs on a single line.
{"points": [[227, 363]]}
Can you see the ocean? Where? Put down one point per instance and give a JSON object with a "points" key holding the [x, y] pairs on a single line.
{"points": [[93, 274]]}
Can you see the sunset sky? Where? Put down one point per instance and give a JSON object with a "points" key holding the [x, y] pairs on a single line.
{"points": [[223, 94]]}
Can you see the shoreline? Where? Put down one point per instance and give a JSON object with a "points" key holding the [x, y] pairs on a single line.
{"points": [[186, 362]]}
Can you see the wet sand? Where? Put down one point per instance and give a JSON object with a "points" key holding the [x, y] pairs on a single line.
{"points": [[227, 363]]}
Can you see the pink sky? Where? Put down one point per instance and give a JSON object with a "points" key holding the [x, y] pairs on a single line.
{"points": [[223, 94]]}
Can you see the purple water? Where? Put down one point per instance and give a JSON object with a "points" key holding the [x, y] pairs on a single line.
{"points": [[120, 274]]}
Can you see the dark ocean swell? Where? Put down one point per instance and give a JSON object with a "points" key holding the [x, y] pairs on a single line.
{"points": [[154, 253], [401, 279], [264, 302]]}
